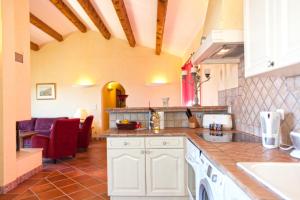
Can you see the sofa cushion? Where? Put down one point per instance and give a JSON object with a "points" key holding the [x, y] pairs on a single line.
{"points": [[44, 124], [27, 125]]}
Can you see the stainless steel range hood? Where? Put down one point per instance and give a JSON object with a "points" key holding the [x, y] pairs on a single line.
{"points": [[220, 47]]}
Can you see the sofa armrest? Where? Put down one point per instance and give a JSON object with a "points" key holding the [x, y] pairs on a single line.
{"points": [[40, 141]]}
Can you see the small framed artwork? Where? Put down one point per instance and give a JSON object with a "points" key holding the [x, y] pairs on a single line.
{"points": [[45, 91]]}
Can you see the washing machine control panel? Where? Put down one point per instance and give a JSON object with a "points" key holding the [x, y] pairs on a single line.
{"points": [[214, 178], [212, 173]]}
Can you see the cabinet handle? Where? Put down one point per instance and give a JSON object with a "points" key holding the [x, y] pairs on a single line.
{"points": [[164, 143], [148, 152], [271, 64], [142, 152]]}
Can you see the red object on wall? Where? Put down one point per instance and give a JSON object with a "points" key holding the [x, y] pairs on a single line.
{"points": [[187, 85]]}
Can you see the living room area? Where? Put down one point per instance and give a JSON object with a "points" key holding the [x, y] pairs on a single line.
{"points": [[60, 71]]}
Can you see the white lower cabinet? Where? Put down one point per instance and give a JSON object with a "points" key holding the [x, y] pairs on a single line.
{"points": [[151, 173], [126, 172], [165, 172]]}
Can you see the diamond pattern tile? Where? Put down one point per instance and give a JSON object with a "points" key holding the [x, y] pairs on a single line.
{"points": [[264, 94]]}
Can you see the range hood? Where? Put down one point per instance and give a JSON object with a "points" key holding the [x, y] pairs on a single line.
{"points": [[220, 47]]}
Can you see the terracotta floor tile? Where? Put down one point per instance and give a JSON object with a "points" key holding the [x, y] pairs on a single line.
{"points": [[42, 182], [105, 196], [89, 182], [99, 189], [66, 170], [26, 194], [42, 188], [81, 178], [24, 186], [96, 198], [41, 175], [51, 194], [57, 178], [62, 198], [30, 198], [83, 194], [7, 196], [74, 173], [54, 173], [72, 188], [63, 182], [68, 177]]}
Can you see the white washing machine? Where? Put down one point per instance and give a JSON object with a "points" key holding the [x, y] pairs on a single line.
{"points": [[195, 174], [211, 186]]}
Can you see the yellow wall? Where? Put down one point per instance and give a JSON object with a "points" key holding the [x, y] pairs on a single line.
{"points": [[89, 55], [14, 82], [109, 100], [223, 14], [220, 14]]}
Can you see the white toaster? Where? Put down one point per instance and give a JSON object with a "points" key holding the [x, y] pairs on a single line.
{"points": [[224, 119]]}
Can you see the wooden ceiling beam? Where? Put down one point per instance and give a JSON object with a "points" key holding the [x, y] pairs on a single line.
{"points": [[160, 25], [68, 13], [92, 13], [123, 17], [34, 46], [44, 27]]}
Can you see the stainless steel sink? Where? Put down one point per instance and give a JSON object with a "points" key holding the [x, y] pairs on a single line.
{"points": [[281, 177]]}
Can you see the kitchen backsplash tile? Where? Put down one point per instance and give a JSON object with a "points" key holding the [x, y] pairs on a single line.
{"points": [[257, 94], [171, 119]]}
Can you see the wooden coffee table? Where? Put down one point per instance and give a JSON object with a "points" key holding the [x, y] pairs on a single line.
{"points": [[25, 135]]}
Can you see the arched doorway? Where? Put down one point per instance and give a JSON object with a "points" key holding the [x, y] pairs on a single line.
{"points": [[109, 93]]}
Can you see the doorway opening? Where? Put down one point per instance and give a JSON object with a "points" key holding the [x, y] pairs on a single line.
{"points": [[113, 94]]}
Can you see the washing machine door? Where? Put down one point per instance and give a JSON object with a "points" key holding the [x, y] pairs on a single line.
{"points": [[205, 192]]}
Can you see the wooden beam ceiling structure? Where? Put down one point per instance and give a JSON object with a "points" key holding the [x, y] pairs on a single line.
{"points": [[123, 17], [34, 46], [67, 12], [160, 25], [44, 27], [92, 13]]}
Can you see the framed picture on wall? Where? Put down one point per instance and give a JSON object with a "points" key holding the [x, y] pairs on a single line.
{"points": [[45, 91]]}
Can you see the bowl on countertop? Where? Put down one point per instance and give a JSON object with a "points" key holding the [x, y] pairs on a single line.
{"points": [[131, 125]]}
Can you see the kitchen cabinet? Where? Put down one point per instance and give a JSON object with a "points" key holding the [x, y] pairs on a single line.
{"points": [[165, 172], [146, 167], [288, 31], [126, 172], [271, 39]]}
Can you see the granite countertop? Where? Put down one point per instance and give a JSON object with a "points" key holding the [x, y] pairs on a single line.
{"points": [[223, 155], [171, 109]]}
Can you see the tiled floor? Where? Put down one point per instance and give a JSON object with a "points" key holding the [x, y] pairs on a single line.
{"points": [[81, 178]]}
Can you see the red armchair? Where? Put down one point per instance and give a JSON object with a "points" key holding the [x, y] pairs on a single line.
{"points": [[85, 133], [62, 141]]}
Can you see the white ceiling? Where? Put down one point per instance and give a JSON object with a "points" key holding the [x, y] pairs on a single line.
{"points": [[184, 20]]}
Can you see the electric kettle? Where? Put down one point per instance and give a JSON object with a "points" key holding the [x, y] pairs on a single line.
{"points": [[270, 127]]}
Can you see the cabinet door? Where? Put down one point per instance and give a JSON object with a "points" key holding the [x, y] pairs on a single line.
{"points": [[165, 172], [259, 36], [126, 172], [288, 30]]}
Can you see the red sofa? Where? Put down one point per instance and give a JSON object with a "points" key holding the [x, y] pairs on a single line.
{"points": [[61, 142], [85, 133]]}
